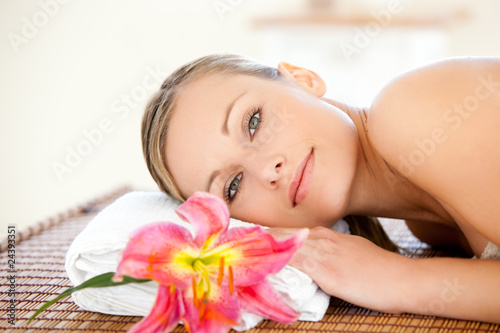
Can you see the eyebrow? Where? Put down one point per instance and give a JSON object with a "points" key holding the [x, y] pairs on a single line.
{"points": [[224, 128], [225, 131], [211, 179]]}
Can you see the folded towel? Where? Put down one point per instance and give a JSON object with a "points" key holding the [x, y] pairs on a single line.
{"points": [[491, 251], [97, 248]]}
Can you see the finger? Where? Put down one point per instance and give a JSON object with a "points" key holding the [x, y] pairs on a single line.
{"points": [[323, 232], [313, 268], [282, 232], [321, 273], [320, 250]]}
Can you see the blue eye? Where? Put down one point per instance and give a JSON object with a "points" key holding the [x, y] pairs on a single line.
{"points": [[253, 125], [233, 188], [254, 121]]}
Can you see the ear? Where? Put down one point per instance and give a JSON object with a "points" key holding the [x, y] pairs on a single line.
{"points": [[304, 78]]}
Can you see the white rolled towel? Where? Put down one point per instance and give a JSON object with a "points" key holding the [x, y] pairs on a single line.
{"points": [[97, 248]]}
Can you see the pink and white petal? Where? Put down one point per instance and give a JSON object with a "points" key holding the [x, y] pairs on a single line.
{"points": [[261, 299], [164, 315], [155, 251], [253, 253], [220, 311], [207, 213]]}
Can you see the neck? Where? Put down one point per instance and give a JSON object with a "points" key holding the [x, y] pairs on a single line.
{"points": [[378, 189]]}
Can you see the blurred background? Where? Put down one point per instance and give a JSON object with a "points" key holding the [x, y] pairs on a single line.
{"points": [[75, 75]]}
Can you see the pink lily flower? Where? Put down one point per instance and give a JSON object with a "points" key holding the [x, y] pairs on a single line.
{"points": [[207, 280]]}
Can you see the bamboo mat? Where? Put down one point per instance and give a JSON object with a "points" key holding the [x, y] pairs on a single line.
{"points": [[40, 255]]}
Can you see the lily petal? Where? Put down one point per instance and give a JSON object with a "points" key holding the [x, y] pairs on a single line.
{"points": [[164, 315], [208, 214], [216, 314], [162, 252], [253, 253], [261, 299]]}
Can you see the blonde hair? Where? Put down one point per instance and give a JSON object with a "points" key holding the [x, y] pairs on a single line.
{"points": [[161, 106]]}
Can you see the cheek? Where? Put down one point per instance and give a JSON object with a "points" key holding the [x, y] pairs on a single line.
{"points": [[258, 207]]}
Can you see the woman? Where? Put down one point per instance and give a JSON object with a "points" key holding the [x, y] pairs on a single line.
{"points": [[282, 155]]}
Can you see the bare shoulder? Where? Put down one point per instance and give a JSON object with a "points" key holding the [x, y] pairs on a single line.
{"points": [[439, 125], [431, 92]]}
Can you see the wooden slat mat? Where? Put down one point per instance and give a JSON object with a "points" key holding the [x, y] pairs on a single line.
{"points": [[40, 254]]}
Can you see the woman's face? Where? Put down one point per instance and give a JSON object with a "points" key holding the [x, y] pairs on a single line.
{"points": [[248, 140]]}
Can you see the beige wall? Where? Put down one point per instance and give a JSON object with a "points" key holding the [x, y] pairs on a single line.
{"points": [[75, 75]]}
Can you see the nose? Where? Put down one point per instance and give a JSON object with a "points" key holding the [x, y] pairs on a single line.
{"points": [[269, 171]]}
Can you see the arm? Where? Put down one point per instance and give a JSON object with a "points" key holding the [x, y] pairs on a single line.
{"points": [[354, 269], [458, 288]]}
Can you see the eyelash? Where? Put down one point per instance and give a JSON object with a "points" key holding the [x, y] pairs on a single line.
{"points": [[257, 111], [227, 190]]}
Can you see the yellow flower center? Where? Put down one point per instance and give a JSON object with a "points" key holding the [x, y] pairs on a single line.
{"points": [[207, 268]]}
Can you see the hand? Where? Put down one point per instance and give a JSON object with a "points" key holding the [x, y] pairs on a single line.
{"points": [[352, 268]]}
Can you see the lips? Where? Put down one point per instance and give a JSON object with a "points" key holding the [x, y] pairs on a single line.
{"points": [[301, 181]]}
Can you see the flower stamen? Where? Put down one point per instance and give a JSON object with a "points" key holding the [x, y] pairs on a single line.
{"points": [[221, 271], [202, 311], [195, 299], [230, 269]]}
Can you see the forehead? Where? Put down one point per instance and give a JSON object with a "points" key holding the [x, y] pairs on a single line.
{"points": [[213, 88], [194, 141]]}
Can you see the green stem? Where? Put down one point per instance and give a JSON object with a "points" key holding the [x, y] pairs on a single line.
{"points": [[99, 281]]}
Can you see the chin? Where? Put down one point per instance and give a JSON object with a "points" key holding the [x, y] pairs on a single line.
{"points": [[336, 205]]}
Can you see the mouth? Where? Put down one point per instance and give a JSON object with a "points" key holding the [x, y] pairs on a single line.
{"points": [[301, 181]]}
